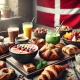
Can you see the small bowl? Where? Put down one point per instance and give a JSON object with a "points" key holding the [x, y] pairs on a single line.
{"points": [[77, 58], [21, 40], [39, 35], [66, 41], [24, 57]]}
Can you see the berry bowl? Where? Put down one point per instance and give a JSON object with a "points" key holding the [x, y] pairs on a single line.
{"points": [[23, 53], [40, 32]]}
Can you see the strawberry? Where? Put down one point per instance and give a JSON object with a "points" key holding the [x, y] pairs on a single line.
{"points": [[15, 46], [23, 49], [27, 50], [31, 51]]}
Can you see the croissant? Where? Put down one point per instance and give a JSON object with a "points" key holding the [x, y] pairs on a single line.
{"points": [[70, 49], [4, 47], [52, 72], [52, 54]]}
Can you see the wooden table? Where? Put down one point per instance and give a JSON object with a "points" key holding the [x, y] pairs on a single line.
{"points": [[35, 78]]}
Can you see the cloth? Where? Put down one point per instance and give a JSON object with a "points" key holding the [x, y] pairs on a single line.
{"points": [[52, 12]]}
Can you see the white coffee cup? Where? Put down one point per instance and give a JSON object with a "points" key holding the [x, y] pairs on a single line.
{"points": [[77, 58]]}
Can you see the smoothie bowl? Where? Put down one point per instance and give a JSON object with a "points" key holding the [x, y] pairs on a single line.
{"points": [[52, 38], [23, 53]]}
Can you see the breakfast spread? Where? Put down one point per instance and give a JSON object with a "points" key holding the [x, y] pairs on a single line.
{"points": [[52, 72], [23, 48], [70, 49]]}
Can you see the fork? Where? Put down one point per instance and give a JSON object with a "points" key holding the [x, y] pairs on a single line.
{"points": [[71, 65]]}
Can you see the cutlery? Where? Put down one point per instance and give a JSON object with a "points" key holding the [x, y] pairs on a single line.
{"points": [[71, 65]]}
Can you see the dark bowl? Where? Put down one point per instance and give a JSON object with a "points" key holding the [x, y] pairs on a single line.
{"points": [[21, 40], [64, 32], [71, 42], [39, 35], [24, 58]]}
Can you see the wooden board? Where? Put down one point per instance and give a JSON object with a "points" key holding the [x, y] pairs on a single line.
{"points": [[19, 66], [4, 56]]}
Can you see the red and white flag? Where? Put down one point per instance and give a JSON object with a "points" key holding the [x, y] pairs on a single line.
{"points": [[53, 12]]}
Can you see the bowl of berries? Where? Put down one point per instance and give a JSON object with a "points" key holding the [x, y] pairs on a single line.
{"points": [[23, 53], [72, 38], [39, 32]]}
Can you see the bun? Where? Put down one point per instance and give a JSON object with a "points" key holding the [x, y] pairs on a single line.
{"points": [[70, 49], [52, 72], [51, 54]]}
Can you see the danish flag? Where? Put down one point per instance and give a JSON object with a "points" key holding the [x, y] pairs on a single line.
{"points": [[52, 12]]}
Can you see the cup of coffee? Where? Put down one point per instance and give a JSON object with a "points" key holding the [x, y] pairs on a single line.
{"points": [[27, 29], [13, 33]]}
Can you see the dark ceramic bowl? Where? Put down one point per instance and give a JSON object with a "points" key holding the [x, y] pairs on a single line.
{"points": [[39, 35], [66, 41], [64, 32], [21, 40], [24, 58]]}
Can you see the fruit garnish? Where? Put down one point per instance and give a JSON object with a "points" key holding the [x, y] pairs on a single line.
{"points": [[74, 38], [26, 50], [23, 49], [31, 51]]}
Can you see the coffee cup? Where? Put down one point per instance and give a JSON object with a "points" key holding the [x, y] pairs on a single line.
{"points": [[13, 33]]}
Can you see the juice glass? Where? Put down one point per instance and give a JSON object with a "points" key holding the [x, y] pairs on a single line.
{"points": [[27, 29]]}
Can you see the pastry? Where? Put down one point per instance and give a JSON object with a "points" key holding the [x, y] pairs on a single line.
{"points": [[39, 42], [4, 47], [51, 54], [52, 72], [29, 67], [2, 64], [70, 49], [47, 47], [7, 74], [59, 45]]}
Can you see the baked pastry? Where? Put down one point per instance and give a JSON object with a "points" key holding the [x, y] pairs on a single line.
{"points": [[52, 72], [29, 67], [2, 64], [4, 47], [60, 45], [51, 54], [47, 47], [39, 42], [7, 74], [70, 49]]}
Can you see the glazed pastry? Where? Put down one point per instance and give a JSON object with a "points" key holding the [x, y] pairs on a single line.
{"points": [[7, 74], [2, 64], [39, 42], [51, 54], [29, 67], [52, 72], [70, 49], [60, 45], [4, 47]]}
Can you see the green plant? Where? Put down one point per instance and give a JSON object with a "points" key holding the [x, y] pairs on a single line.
{"points": [[6, 8]]}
